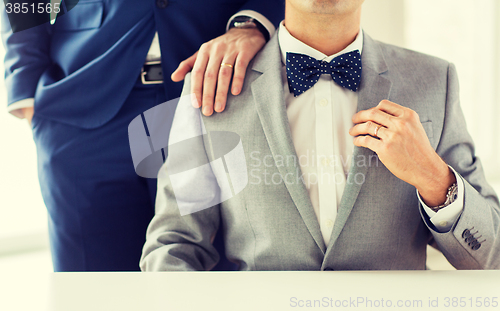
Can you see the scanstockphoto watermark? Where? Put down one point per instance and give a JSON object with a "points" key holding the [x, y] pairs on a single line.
{"points": [[26, 14], [370, 303], [204, 167], [355, 302], [308, 168]]}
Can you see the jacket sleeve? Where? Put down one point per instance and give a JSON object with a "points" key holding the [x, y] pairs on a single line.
{"points": [[180, 235], [273, 10], [27, 57], [474, 239]]}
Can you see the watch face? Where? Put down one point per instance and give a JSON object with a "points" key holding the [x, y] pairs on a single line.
{"points": [[241, 19], [245, 25]]}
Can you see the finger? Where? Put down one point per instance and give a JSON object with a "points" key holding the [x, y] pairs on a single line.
{"points": [[184, 67], [209, 84], [381, 132], [198, 76], [194, 101], [367, 128], [225, 73], [240, 69], [374, 115], [368, 142], [391, 108]]}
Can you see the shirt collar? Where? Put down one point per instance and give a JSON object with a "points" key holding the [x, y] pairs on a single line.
{"points": [[289, 43]]}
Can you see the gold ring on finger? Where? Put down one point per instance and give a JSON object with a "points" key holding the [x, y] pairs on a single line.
{"points": [[226, 64]]}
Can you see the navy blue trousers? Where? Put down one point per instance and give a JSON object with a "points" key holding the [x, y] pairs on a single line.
{"points": [[98, 207]]}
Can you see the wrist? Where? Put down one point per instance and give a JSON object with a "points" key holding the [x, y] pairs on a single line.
{"points": [[434, 190], [248, 33], [27, 112]]}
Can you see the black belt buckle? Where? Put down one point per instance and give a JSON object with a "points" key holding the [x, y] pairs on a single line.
{"points": [[151, 72]]}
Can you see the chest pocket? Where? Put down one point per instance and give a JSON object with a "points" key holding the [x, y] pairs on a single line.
{"points": [[82, 15]]}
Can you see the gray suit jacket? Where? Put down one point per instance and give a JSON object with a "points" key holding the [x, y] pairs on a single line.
{"points": [[380, 223]]}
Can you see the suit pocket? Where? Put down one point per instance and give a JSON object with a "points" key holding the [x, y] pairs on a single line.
{"points": [[84, 15], [427, 125]]}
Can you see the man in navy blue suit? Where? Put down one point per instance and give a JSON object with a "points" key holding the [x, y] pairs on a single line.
{"points": [[82, 77]]}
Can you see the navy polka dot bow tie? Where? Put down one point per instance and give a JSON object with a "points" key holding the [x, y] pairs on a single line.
{"points": [[304, 71]]}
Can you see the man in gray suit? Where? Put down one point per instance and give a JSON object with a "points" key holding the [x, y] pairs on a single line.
{"points": [[346, 166]]}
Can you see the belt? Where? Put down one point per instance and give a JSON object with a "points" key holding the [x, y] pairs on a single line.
{"points": [[151, 73]]}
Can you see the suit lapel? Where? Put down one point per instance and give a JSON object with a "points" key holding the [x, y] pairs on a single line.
{"points": [[267, 91], [373, 88]]}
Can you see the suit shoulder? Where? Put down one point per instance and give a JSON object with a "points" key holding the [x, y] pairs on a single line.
{"points": [[398, 57]]}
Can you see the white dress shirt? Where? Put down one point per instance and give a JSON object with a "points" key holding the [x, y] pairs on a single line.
{"points": [[154, 53], [320, 120]]}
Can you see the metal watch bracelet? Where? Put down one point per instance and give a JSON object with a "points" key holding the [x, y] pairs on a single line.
{"points": [[451, 196]]}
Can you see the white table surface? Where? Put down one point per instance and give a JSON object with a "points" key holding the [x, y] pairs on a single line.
{"points": [[238, 291]]}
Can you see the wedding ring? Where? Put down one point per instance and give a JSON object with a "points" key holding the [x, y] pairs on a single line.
{"points": [[376, 131], [226, 64]]}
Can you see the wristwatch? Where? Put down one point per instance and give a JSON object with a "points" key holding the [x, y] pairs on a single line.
{"points": [[451, 196], [246, 22]]}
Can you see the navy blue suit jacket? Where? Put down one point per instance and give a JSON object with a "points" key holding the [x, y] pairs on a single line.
{"points": [[81, 69]]}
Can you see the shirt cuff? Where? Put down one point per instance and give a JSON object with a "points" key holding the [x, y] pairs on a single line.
{"points": [[444, 219], [15, 108], [257, 16]]}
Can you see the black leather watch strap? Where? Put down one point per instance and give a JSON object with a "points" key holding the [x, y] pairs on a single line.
{"points": [[240, 21]]}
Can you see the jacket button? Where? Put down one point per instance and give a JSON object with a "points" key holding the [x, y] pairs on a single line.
{"points": [[162, 3], [473, 242], [476, 246], [469, 239], [466, 233]]}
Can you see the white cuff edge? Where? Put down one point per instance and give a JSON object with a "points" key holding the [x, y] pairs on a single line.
{"points": [[15, 108], [450, 213]]}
